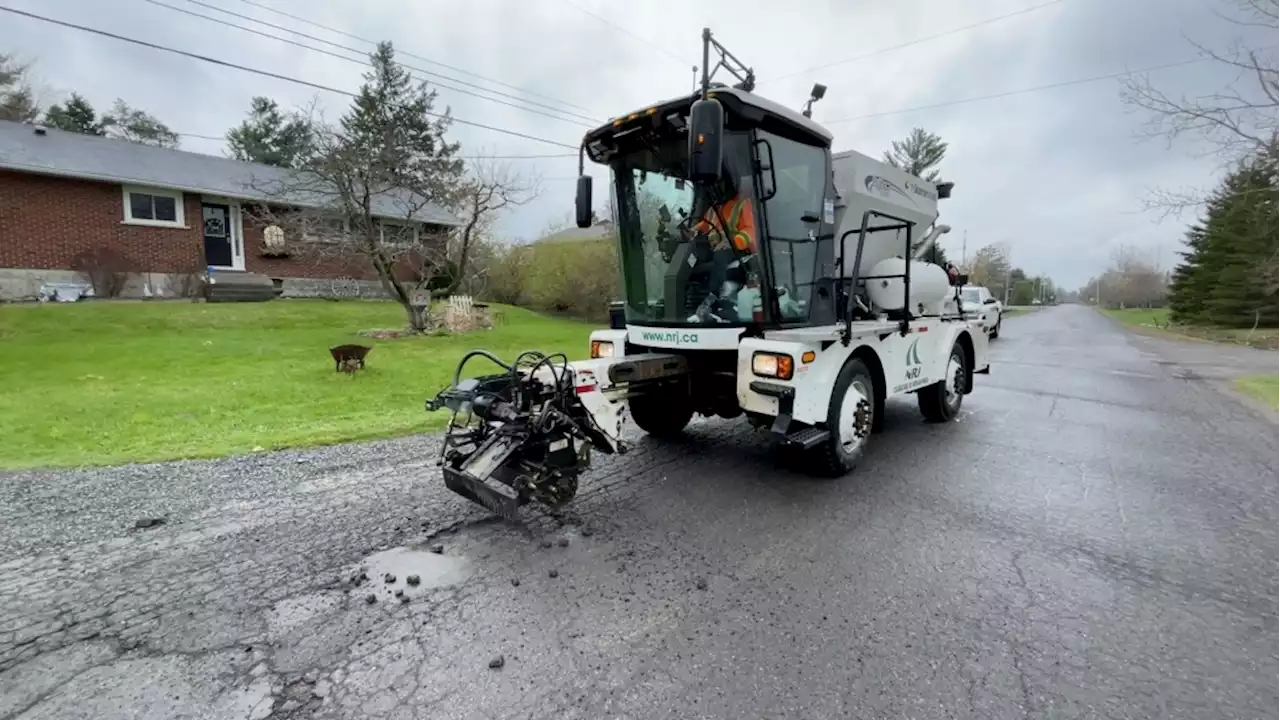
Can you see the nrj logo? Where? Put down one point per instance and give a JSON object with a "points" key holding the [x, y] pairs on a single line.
{"points": [[677, 338], [913, 362]]}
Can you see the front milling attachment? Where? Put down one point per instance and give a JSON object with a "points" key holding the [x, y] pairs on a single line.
{"points": [[523, 433]]}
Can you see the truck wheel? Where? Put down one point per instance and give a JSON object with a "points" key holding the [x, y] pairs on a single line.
{"points": [[995, 331], [661, 415], [850, 417], [941, 401]]}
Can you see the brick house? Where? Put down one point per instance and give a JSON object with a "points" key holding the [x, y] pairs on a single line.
{"points": [[165, 213]]}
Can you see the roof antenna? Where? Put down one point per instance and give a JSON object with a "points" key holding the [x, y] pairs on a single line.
{"points": [[817, 93]]}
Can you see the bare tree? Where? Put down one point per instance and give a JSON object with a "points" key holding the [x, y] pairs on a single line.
{"points": [[386, 189], [990, 268], [491, 189], [379, 185], [1238, 119], [1130, 281], [349, 207]]}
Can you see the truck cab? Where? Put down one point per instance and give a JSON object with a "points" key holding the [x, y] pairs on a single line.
{"points": [[978, 301]]}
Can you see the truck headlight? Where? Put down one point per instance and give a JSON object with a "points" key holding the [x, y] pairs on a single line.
{"points": [[773, 365], [601, 349]]}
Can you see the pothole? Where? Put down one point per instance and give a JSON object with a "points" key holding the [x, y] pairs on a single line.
{"points": [[402, 573]]}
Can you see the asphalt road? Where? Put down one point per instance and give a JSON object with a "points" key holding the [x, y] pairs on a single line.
{"points": [[1096, 537]]}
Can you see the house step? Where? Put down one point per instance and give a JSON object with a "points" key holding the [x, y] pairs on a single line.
{"points": [[240, 287]]}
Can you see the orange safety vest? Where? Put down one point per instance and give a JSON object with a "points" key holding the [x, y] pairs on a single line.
{"points": [[737, 219]]}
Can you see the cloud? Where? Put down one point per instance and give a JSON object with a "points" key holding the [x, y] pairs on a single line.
{"points": [[1055, 175]]}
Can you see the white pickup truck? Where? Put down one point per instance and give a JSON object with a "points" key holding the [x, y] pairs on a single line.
{"points": [[978, 301]]}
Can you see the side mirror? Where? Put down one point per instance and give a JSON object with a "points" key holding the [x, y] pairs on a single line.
{"points": [[706, 133], [989, 301], [582, 203], [768, 177]]}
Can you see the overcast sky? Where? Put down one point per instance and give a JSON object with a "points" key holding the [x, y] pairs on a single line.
{"points": [[1057, 175]]}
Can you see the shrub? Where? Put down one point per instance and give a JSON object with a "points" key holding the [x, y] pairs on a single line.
{"points": [[573, 278], [192, 284], [104, 269]]}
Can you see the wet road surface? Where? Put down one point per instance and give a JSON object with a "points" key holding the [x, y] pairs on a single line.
{"points": [[1096, 537]]}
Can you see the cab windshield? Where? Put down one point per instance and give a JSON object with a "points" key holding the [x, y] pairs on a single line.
{"points": [[681, 266], [970, 295]]}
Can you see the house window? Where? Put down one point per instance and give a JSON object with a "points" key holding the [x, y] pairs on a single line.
{"points": [[396, 234], [326, 230], [148, 206]]}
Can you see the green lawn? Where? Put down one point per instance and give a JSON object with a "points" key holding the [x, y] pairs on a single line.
{"points": [[1156, 322], [1263, 387], [102, 383]]}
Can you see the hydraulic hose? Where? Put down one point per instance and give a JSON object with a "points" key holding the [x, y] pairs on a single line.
{"points": [[457, 373]]}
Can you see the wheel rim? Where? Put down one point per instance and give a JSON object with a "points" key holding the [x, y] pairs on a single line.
{"points": [[954, 380], [855, 415]]}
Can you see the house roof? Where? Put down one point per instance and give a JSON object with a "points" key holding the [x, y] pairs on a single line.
{"points": [[89, 157]]}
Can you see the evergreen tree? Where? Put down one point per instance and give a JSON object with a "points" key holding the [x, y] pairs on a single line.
{"points": [[128, 123], [1187, 289], [17, 97], [392, 120], [270, 137], [918, 154], [76, 115], [1227, 277]]}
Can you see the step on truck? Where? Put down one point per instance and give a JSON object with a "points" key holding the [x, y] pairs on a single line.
{"points": [[763, 276]]}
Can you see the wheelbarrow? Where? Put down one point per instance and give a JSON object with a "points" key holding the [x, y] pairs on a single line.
{"points": [[348, 358]]}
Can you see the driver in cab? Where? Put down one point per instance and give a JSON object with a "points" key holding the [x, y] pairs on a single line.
{"points": [[729, 228]]}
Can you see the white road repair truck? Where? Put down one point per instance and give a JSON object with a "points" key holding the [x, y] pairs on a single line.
{"points": [[764, 276]]}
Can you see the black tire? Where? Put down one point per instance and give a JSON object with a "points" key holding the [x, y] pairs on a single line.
{"points": [[833, 458], [995, 331], [936, 404], [662, 415]]}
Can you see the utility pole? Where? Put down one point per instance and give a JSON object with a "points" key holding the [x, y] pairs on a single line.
{"points": [[964, 251]]}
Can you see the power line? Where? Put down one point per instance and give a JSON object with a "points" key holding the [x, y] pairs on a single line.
{"points": [[365, 62], [629, 34], [429, 61], [594, 121], [1010, 93], [924, 39], [268, 73], [543, 156]]}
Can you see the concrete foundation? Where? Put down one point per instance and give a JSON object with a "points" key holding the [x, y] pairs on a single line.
{"points": [[24, 285]]}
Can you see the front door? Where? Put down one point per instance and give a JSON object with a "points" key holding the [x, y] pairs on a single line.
{"points": [[221, 243]]}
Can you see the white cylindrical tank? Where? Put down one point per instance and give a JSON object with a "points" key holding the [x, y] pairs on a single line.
{"points": [[930, 285]]}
